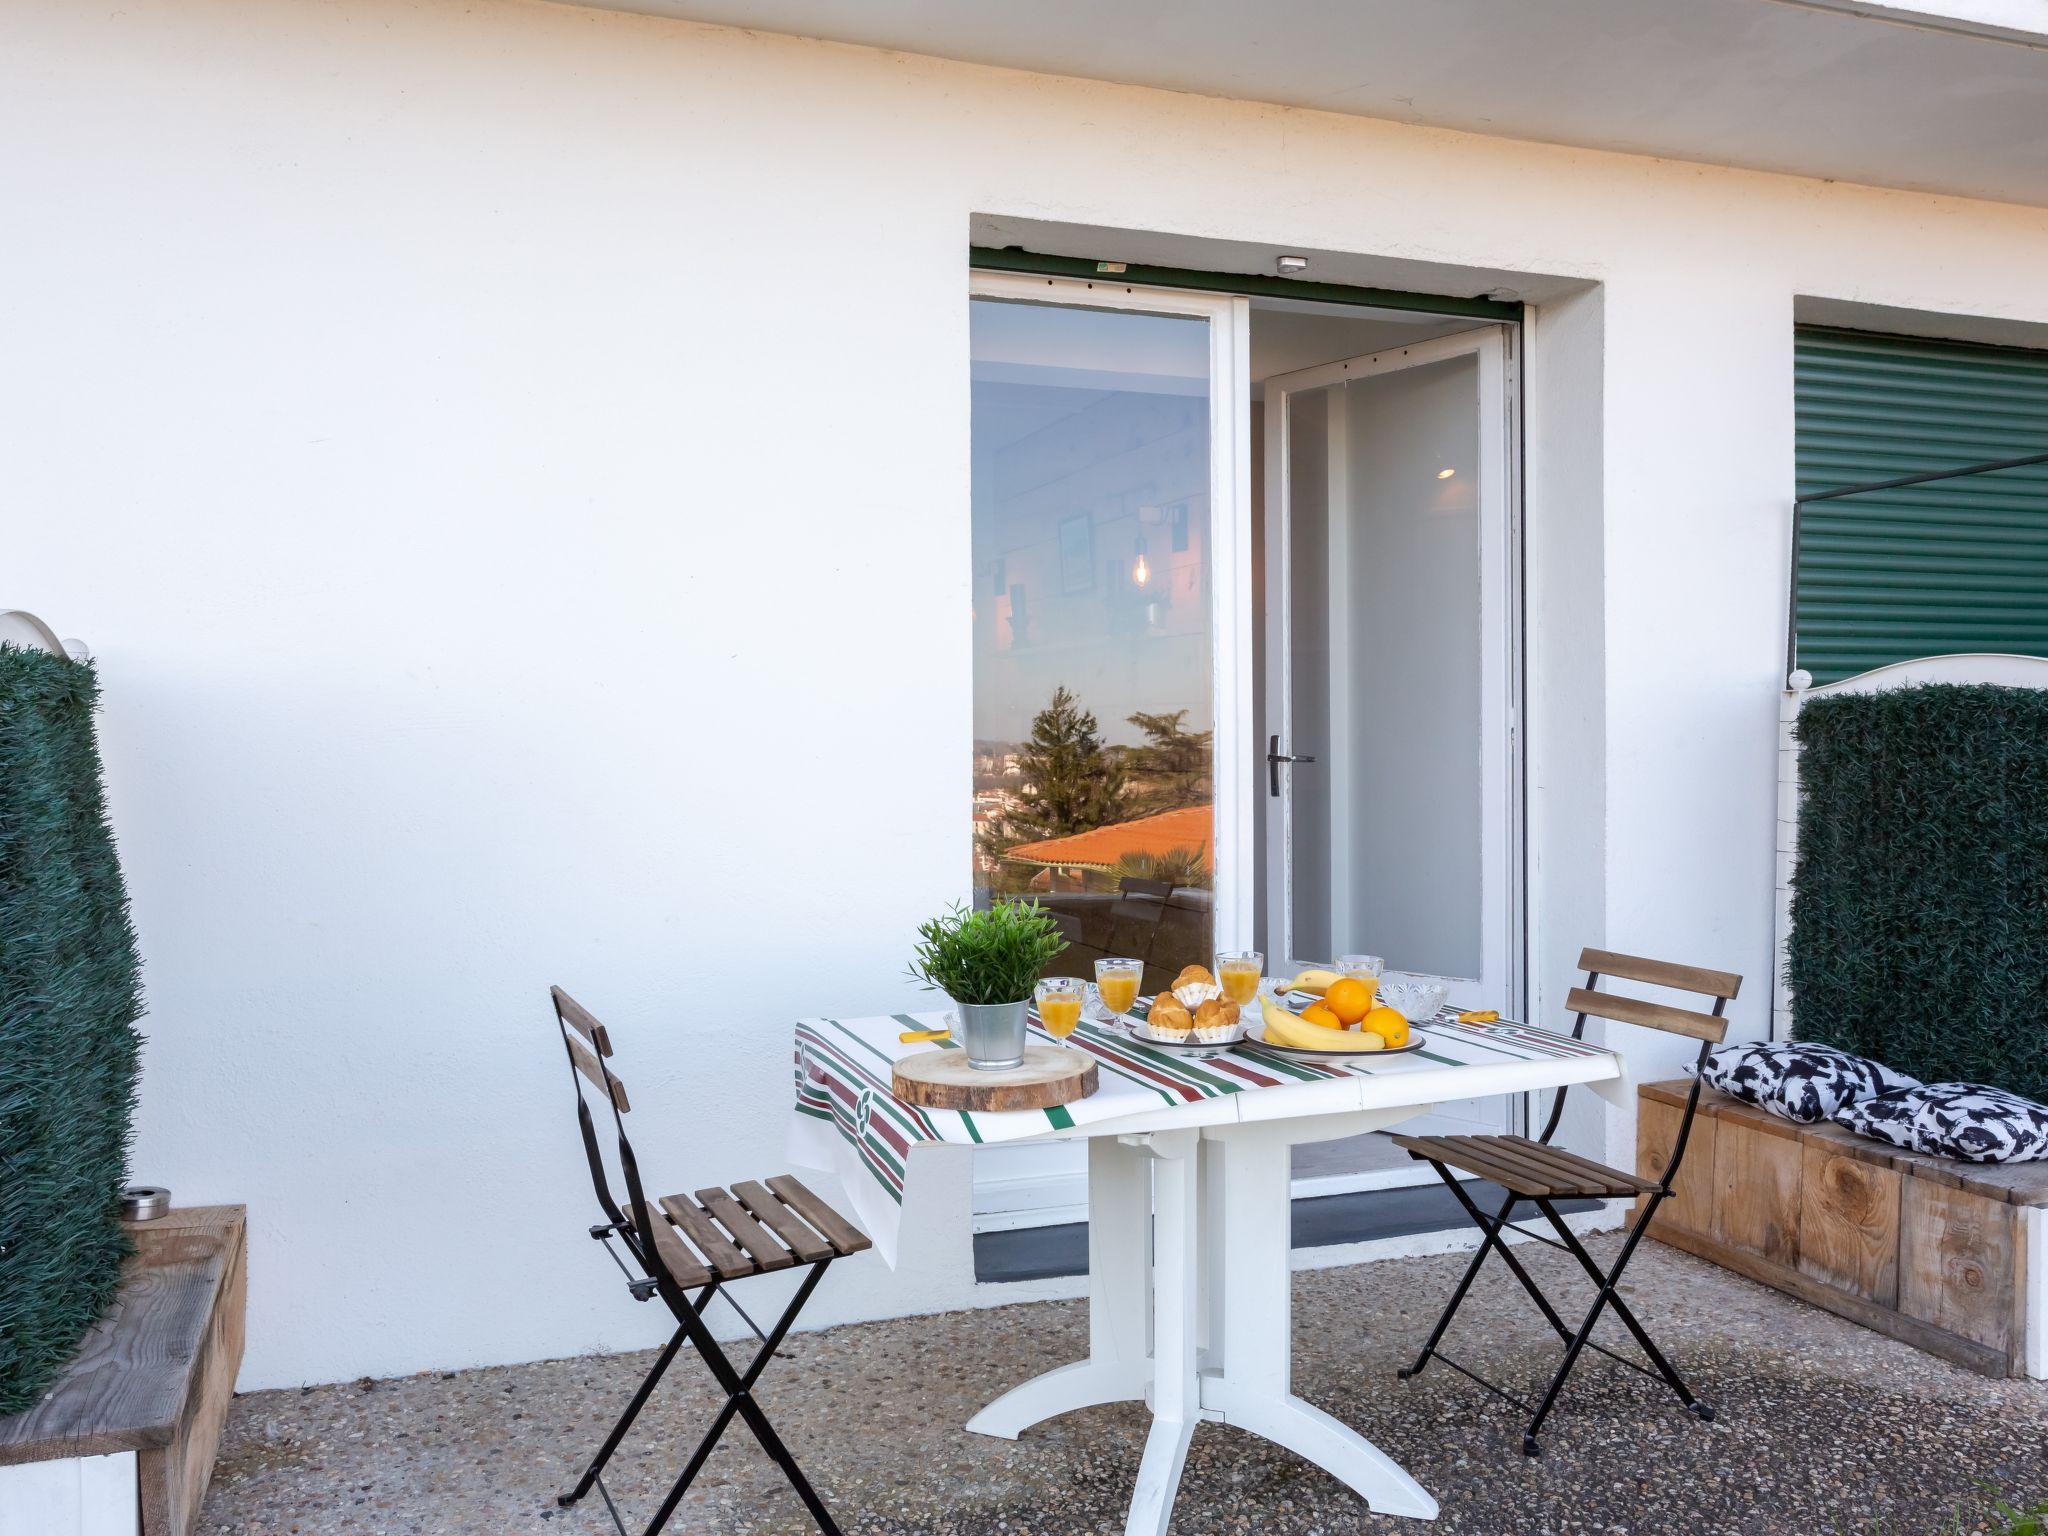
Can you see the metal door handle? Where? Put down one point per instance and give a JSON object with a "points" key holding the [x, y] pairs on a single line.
{"points": [[1274, 758]]}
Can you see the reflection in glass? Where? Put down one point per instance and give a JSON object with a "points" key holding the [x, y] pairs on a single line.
{"points": [[1385, 674], [1092, 657]]}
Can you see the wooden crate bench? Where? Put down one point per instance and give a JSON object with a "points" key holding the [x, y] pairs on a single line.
{"points": [[124, 1441], [1946, 1255]]}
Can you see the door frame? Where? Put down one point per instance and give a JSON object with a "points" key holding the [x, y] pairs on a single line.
{"points": [[1231, 681], [1499, 462]]}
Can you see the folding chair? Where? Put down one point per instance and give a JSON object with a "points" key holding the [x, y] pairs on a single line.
{"points": [[1540, 1174], [729, 1238]]}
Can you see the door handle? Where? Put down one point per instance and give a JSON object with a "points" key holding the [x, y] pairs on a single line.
{"points": [[1274, 758]]}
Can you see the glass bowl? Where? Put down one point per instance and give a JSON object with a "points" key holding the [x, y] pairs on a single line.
{"points": [[1414, 1000]]}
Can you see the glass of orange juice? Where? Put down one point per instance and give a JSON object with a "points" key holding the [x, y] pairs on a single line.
{"points": [[1238, 972], [1059, 1005], [1117, 980]]}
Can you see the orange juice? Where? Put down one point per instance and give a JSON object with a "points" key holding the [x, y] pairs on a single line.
{"points": [[1239, 980], [1060, 1012], [1118, 984]]}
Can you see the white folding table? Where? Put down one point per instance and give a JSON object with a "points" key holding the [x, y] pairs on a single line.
{"points": [[1190, 1311]]}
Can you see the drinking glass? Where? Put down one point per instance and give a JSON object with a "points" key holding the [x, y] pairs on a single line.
{"points": [[1364, 967], [1117, 980], [1059, 1005], [1238, 972]]}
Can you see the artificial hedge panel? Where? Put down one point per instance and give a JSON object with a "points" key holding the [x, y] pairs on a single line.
{"points": [[1920, 895], [69, 999]]}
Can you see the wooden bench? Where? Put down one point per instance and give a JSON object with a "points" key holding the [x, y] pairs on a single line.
{"points": [[1946, 1255], [124, 1441]]}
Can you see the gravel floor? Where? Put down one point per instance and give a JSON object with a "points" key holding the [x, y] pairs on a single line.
{"points": [[1821, 1428]]}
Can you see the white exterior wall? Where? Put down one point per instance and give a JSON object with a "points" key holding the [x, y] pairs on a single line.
{"points": [[511, 462]]}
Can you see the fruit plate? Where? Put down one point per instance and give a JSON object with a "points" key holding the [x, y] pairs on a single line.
{"points": [[1303, 1053], [1185, 1046]]}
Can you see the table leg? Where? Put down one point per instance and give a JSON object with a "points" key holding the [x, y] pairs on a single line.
{"points": [[1176, 1386], [1118, 1368], [1255, 1322]]}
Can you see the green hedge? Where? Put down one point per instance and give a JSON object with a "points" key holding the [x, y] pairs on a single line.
{"points": [[69, 998], [1920, 898]]}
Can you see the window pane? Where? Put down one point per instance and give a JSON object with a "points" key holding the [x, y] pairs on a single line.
{"points": [[1092, 657]]}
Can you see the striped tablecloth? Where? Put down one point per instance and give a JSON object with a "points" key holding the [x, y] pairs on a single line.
{"points": [[848, 1122]]}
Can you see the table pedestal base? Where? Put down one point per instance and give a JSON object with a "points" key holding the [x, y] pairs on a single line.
{"points": [[1213, 1338]]}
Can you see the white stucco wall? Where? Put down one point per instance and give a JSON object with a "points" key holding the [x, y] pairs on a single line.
{"points": [[510, 461]]}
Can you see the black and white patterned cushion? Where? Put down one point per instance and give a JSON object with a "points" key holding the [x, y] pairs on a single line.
{"points": [[1970, 1121], [1885, 1117], [1798, 1079]]}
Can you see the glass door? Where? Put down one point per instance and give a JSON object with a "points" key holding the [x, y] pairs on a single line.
{"points": [[1111, 640], [1390, 787]]}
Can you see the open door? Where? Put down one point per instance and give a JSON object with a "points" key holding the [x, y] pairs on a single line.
{"points": [[1391, 789]]}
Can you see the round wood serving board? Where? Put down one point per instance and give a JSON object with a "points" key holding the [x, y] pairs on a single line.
{"points": [[1051, 1075]]}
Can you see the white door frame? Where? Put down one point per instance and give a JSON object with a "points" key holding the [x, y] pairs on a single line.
{"points": [[1230, 546], [1500, 591]]}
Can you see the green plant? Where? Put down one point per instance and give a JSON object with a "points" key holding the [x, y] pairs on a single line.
{"points": [[1919, 935], [1070, 782], [1176, 866], [69, 998], [995, 955]]}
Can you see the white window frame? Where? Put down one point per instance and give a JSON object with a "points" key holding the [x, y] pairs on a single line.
{"points": [[1230, 552]]}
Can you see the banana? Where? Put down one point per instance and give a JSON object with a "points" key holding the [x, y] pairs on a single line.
{"points": [[1284, 1028], [1315, 980]]}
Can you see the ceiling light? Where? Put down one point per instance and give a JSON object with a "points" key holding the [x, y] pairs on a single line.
{"points": [[1287, 266], [1445, 474]]}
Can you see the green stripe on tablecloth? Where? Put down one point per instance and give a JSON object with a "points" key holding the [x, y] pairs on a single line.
{"points": [[917, 1126], [1179, 1069], [1059, 1119]]}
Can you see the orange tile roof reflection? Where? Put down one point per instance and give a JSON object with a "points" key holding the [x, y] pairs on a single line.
{"points": [[1101, 847]]}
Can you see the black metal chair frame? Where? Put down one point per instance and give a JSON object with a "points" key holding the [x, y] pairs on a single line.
{"points": [[632, 1224], [1608, 1281]]}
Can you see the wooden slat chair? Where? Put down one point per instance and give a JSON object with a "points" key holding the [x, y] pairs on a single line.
{"points": [[697, 1243], [1540, 1174]]}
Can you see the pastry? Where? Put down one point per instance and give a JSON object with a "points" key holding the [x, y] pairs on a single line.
{"points": [[1168, 1019], [1216, 1022]]}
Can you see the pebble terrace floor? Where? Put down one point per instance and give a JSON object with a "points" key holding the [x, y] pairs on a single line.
{"points": [[1821, 1427]]}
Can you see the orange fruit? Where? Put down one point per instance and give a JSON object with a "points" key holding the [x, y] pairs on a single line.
{"points": [[1349, 999], [1388, 1024], [1316, 1013]]}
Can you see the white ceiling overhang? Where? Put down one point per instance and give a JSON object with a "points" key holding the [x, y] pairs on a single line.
{"points": [[1938, 96]]}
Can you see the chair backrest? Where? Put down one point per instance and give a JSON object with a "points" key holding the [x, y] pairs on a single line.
{"points": [[589, 1047], [1708, 1028]]}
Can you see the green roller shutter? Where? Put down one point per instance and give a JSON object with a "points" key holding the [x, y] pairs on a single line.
{"points": [[1956, 565]]}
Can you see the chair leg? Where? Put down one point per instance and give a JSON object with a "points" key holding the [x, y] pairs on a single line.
{"points": [[1443, 1322], [1610, 1283], [639, 1401], [739, 1389], [1490, 1239]]}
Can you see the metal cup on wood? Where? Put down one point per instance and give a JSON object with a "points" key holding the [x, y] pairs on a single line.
{"points": [[992, 1034]]}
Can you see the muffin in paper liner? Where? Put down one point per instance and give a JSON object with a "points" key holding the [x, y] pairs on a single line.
{"points": [[1216, 1022]]}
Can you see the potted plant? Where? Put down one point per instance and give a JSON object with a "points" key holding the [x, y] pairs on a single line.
{"points": [[987, 962]]}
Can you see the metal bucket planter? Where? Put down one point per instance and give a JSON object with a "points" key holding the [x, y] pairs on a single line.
{"points": [[992, 1034]]}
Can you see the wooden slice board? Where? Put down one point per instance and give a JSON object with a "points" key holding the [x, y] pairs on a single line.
{"points": [[1050, 1075]]}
